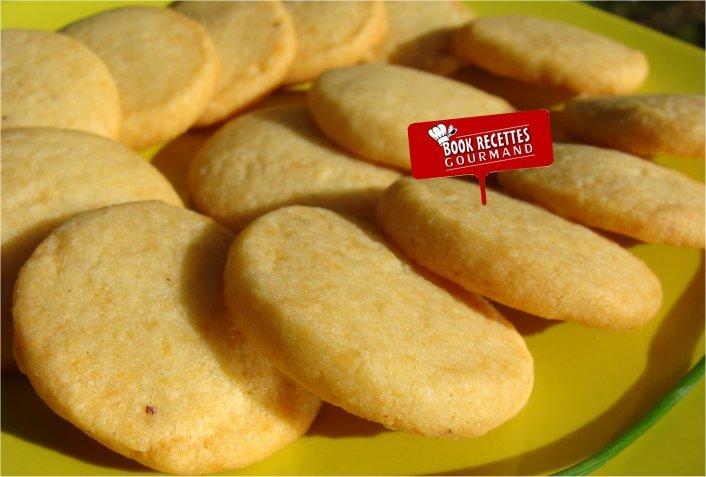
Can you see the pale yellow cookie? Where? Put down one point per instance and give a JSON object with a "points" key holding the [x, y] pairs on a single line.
{"points": [[519, 254], [345, 316], [48, 175], [332, 34], [536, 50], [164, 64], [420, 34], [256, 44], [121, 328], [618, 192], [274, 157], [52, 80], [645, 125], [367, 108]]}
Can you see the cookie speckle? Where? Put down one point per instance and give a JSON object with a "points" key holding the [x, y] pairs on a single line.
{"points": [[150, 410]]}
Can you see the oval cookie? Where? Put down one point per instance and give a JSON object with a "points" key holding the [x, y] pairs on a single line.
{"points": [[274, 157], [615, 191], [333, 34], [52, 80], [126, 336], [366, 109], [345, 316], [255, 43], [420, 34], [645, 125], [518, 254], [48, 175], [536, 50], [164, 65]]}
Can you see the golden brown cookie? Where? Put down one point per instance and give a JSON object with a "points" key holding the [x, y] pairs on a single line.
{"points": [[52, 80], [276, 156], [48, 175], [126, 336], [255, 43], [366, 109], [615, 191], [344, 315], [420, 34], [518, 254], [164, 64], [536, 50], [645, 125], [333, 34]]}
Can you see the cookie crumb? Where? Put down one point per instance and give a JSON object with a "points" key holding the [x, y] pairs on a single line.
{"points": [[149, 410]]}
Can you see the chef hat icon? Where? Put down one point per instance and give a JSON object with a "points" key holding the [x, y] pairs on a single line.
{"points": [[441, 133]]}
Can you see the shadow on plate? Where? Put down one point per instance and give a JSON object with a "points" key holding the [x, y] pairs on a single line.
{"points": [[26, 416], [622, 240], [520, 95], [669, 359], [429, 52], [333, 421], [523, 96], [174, 158], [525, 323]]}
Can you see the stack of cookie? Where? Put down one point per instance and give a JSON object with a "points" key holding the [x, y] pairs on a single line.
{"points": [[313, 268]]}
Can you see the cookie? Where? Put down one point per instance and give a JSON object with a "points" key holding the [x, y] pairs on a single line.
{"points": [[52, 80], [333, 34], [274, 157], [536, 50], [618, 192], [48, 175], [344, 315], [420, 35], [366, 109], [255, 43], [519, 254], [645, 125], [164, 64], [126, 336]]}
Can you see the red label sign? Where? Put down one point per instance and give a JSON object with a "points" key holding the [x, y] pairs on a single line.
{"points": [[480, 145]]}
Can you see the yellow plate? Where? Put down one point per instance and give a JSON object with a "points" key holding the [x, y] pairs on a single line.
{"points": [[590, 384]]}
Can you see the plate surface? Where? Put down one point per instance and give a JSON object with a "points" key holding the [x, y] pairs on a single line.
{"points": [[590, 385]]}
